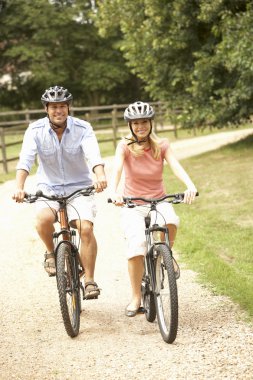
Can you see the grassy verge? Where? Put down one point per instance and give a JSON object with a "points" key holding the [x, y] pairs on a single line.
{"points": [[215, 236]]}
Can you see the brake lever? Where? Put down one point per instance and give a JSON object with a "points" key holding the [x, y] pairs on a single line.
{"points": [[178, 199], [130, 204], [29, 198]]}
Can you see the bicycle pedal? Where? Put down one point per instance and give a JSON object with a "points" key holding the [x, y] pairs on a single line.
{"points": [[90, 298]]}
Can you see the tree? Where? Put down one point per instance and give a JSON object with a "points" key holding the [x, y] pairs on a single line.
{"points": [[195, 54], [55, 42]]}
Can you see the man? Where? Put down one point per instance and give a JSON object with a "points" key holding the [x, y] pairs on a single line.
{"points": [[68, 153]]}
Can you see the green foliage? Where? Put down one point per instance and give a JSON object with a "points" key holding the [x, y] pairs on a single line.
{"points": [[55, 42], [196, 54]]}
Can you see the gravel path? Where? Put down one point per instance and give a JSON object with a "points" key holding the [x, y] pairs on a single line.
{"points": [[213, 341]]}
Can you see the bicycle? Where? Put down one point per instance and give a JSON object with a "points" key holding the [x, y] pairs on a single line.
{"points": [[68, 264], [159, 285]]}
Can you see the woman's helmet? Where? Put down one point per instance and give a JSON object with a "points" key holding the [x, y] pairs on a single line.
{"points": [[139, 110], [56, 94]]}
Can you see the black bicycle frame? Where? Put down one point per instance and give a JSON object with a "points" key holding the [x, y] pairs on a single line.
{"points": [[150, 245]]}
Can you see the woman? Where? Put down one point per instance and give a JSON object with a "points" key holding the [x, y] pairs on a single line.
{"points": [[142, 156]]}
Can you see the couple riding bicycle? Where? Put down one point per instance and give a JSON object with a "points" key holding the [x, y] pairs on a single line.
{"points": [[69, 157]]}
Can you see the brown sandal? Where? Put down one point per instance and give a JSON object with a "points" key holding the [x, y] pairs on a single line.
{"points": [[92, 293], [49, 265]]}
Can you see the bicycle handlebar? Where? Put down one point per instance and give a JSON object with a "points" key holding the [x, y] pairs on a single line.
{"points": [[177, 198], [31, 198]]}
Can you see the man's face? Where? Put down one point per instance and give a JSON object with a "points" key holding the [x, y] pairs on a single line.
{"points": [[57, 112]]}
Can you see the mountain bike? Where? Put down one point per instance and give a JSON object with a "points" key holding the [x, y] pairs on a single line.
{"points": [[67, 258], [159, 285]]}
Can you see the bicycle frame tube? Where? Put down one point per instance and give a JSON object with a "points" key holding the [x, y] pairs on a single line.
{"points": [[65, 231], [63, 219]]}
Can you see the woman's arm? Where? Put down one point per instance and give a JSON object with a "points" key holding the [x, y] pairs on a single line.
{"points": [[181, 174], [116, 176]]}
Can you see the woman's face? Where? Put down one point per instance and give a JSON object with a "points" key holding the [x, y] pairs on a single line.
{"points": [[141, 127]]}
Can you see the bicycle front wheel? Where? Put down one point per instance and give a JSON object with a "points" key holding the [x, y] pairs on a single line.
{"points": [[148, 299], [166, 297], [68, 289]]}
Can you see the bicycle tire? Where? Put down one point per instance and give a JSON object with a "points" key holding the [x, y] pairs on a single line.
{"points": [[68, 289], [166, 296], [148, 299]]}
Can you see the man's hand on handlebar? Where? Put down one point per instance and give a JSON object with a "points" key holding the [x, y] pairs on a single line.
{"points": [[100, 184], [19, 195]]}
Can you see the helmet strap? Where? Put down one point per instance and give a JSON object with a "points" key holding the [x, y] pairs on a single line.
{"points": [[56, 126]]}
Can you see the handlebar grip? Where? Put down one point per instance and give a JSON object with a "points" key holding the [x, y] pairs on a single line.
{"points": [[39, 193]]}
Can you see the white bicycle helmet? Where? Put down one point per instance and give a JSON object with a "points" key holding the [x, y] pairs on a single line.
{"points": [[56, 94], [139, 110]]}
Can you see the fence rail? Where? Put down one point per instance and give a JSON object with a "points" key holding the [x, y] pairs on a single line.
{"points": [[107, 122]]}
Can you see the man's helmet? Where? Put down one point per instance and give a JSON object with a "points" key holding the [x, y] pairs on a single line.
{"points": [[139, 110], [56, 94]]}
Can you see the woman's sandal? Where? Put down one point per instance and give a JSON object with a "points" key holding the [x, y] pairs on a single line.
{"points": [[50, 266], [133, 313], [176, 269], [93, 293]]}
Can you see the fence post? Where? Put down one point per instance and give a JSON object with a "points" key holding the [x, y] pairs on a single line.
{"points": [[27, 116], [3, 148], [114, 125], [175, 131], [160, 115]]}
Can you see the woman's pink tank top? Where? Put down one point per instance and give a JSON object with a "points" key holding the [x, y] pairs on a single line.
{"points": [[144, 174]]}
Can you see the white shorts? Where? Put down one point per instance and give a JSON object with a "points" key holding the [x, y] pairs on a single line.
{"points": [[133, 225], [82, 207]]}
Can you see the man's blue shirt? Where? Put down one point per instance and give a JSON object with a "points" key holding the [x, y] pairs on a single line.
{"points": [[63, 166]]}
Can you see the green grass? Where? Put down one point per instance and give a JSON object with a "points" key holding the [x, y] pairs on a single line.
{"points": [[215, 235]]}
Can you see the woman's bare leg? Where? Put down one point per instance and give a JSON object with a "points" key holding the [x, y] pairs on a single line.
{"points": [[135, 270]]}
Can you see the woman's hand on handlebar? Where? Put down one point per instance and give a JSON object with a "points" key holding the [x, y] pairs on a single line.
{"points": [[117, 199], [189, 195], [19, 196]]}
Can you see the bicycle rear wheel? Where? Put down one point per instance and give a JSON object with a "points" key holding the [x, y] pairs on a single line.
{"points": [[68, 289], [166, 297]]}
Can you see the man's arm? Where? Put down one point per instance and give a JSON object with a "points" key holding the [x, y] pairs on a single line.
{"points": [[19, 194], [100, 183]]}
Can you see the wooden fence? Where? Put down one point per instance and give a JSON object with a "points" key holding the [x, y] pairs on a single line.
{"points": [[107, 122]]}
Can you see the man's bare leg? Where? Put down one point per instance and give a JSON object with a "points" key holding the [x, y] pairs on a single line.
{"points": [[88, 255], [45, 227]]}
